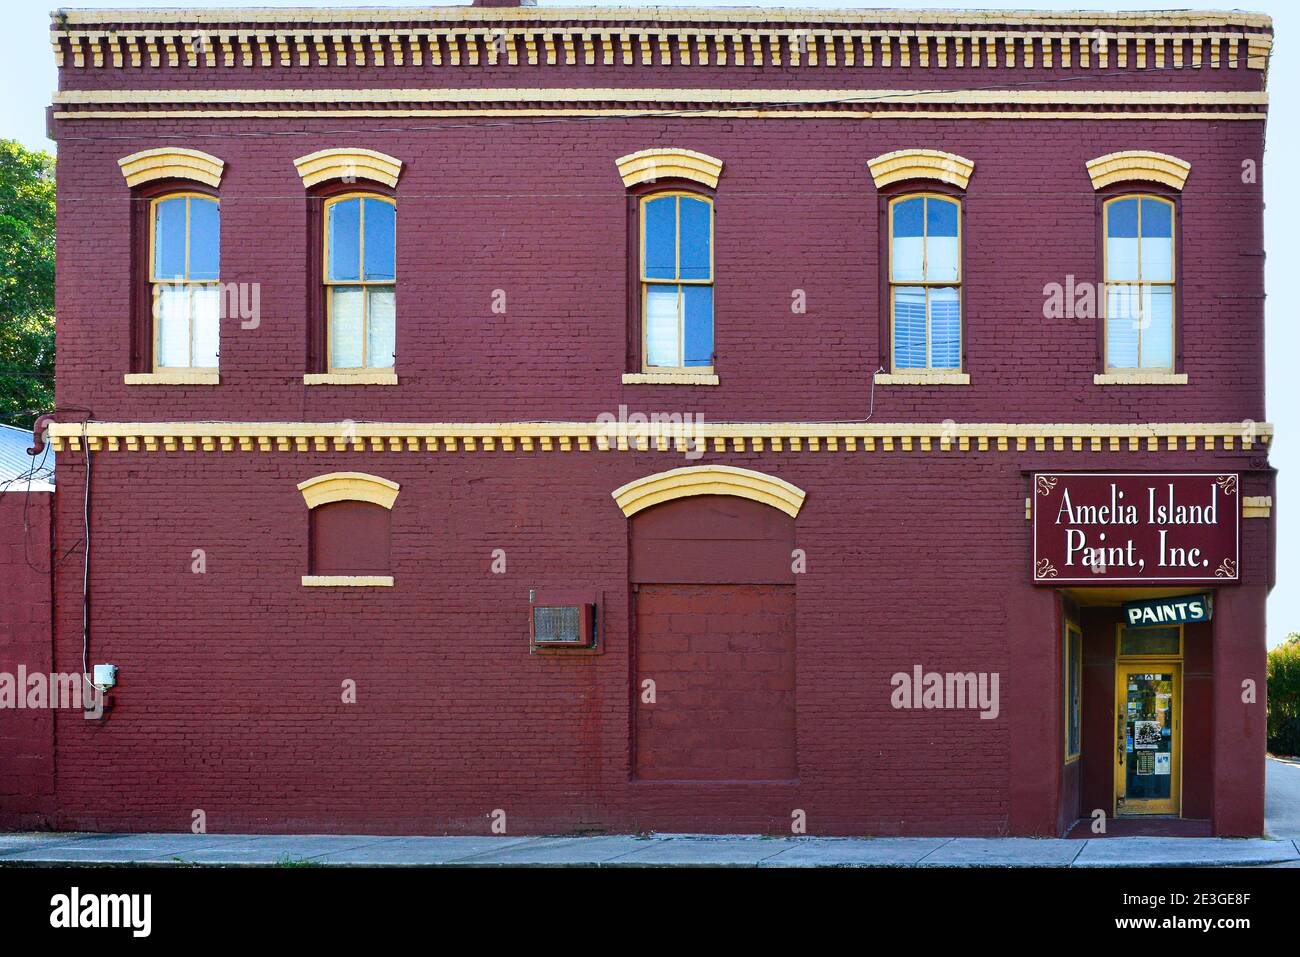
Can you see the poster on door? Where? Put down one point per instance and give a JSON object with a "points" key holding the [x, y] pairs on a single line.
{"points": [[1146, 735]]}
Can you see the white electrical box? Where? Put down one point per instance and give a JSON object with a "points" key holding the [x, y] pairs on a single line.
{"points": [[105, 676]]}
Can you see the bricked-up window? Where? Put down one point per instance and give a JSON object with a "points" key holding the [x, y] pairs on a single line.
{"points": [[1139, 233], [925, 283], [360, 263], [350, 538], [676, 282], [184, 269], [1072, 659]]}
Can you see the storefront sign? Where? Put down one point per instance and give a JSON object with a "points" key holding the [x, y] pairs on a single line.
{"points": [[1168, 611], [1096, 528]]}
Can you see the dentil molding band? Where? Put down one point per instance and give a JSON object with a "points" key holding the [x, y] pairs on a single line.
{"points": [[775, 437]]}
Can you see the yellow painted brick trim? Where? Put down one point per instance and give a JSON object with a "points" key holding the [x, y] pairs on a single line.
{"points": [[902, 165], [774, 437], [646, 166], [1140, 378], [350, 378], [669, 378], [173, 377], [709, 480], [348, 581], [703, 95], [348, 487], [168, 162], [1138, 165], [348, 162], [922, 378], [285, 18], [1256, 506]]}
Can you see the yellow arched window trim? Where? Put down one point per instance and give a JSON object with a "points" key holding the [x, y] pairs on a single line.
{"points": [[172, 162], [709, 480], [348, 487], [348, 162], [1138, 165], [646, 166], [902, 165]]}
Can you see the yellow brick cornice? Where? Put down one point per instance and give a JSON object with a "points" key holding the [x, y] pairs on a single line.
{"points": [[656, 36], [348, 163], [645, 166], [349, 487], [662, 436]]}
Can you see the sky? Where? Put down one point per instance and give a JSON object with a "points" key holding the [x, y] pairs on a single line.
{"points": [[27, 72]]}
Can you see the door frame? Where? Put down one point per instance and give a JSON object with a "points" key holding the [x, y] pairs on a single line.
{"points": [[1146, 808]]}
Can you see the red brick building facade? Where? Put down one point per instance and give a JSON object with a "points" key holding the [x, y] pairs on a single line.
{"points": [[734, 325]]}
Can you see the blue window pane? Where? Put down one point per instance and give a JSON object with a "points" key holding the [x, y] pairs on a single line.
{"points": [[1122, 240], [205, 239], [1157, 219], [942, 255], [661, 238], [344, 231], [696, 218], [909, 328], [1157, 241], [169, 239], [945, 329], [907, 249], [381, 243], [697, 302]]}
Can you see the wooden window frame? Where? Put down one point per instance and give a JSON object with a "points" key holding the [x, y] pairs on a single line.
{"points": [[1071, 628], [360, 283], [143, 328], [1175, 254], [889, 198], [637, 286]]}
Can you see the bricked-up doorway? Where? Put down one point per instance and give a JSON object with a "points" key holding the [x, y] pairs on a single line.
{"points": [[714, 608]]}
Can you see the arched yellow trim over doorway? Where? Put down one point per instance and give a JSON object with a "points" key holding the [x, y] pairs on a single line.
{"points": [[709, 480], [349, 487]]}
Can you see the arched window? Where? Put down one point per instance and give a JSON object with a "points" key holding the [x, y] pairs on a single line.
{"points": [[360, 260], [1139, 231], [184, 270], [925, 283], [676, 282]]}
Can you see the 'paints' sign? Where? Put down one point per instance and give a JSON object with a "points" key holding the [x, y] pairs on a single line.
{"points": [[1097, 528], [1168, 611]]}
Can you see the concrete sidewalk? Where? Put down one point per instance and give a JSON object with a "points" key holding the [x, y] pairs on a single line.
{"points": [[661, 850]]}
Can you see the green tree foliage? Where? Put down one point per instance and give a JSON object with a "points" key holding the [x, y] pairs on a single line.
{"points": [[1284, 697], [26, 283]]}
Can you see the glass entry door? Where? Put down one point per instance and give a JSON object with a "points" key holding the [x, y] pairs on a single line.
{"points": [[1148, 745]]}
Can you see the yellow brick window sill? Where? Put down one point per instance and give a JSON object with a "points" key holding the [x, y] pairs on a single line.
{"points": [[350, 378], [669, 378], [173, 377], [347, 581], [923, 378], [1140, 378]]}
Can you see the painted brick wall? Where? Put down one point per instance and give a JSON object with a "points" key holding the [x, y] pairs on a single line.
{"points": [[26, 619], [230, 691], [722, 660], [543, 217]]}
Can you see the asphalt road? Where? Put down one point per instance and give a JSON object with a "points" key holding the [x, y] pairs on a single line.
{"points": [[1282, 799]]}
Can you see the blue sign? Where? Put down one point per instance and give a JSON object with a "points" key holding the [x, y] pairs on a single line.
{"points": [[1168, 611]]}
